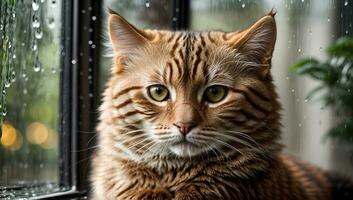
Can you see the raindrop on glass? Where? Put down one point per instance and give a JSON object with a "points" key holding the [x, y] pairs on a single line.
{"points": [[53, 70], [34, 46], [147, 4], [292, 90], [310, 32], [320, 49], [328, 20], [299, 50], [243, 5], [53, 3], [51, 23], [345, 2], [35, 5], [35, 22], [300, 125], [7, 84], [39, 33], [37, 66], [4, 112], [73, 61], [303, 0], [94, 18]]}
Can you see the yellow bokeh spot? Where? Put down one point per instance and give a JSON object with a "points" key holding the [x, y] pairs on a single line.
{"points": [[37, 133], [9, 135]]}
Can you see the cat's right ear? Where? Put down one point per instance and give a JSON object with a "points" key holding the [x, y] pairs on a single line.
{"points": [[124, 37]]}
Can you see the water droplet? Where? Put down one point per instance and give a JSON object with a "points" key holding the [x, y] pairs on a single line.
{"points": [[299, 50], [346, 32], [320, 49], [35, 22], [243, 5], [292, 90], [147, 4], [345, 2], [35, 5], [90, 42], [304, 117], [53, 70], [51, 23], [39, 33], [73, 61], [53, 3], [37, 67], [34, 46], [328, 20], [306, 100], [174, 19], [4, 112], [7, 84], [94, 18], [300, 125], [90, 95], [25, 91], [310, 32], [93, 46], [303, 0]]}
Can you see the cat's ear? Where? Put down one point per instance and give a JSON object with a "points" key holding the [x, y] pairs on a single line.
{"points": [[258, 41], [124, 37]]}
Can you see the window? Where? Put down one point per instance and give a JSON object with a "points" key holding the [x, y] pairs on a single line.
{"points": [[54, 65]]}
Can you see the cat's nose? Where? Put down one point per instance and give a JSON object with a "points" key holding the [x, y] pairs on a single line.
{"points": [[184, 127]]}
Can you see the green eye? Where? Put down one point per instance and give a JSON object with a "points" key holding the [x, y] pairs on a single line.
{"points": [[215, 93], [158, 92]]}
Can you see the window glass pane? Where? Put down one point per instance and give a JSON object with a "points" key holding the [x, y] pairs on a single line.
{"points": [[304, 29], [29, 142]]}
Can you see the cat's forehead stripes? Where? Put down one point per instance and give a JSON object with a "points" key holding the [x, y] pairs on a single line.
{"points": [[188, 56]]}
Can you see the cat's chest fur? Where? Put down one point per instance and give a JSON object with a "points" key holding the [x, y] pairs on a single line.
{"points": [[284, 179]]}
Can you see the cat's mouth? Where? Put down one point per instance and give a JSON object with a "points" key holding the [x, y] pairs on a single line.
{"points": [[184, 148]]}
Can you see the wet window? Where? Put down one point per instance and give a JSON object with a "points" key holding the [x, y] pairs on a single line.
{"points": [[30, 71], [55, 61]]}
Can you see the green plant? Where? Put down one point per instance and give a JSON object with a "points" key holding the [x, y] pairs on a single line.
{"points": [[335, 76]]}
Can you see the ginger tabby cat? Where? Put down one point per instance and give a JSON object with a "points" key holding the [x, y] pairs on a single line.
{"points": [[195, 115]]}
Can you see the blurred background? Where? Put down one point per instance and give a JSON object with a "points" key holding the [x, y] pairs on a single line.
{"points": [[30, 73]]}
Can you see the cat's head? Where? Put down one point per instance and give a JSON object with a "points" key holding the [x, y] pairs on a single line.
{"points": [[192, 93]]}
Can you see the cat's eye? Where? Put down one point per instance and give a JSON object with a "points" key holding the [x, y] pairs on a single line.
{"points": [[215, 93], [158, 92]]}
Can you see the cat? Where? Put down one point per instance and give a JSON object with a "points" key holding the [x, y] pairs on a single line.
{"points": [[195, 115]]}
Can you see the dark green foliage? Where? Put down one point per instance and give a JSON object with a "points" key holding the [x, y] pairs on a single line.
{"points": [[336, 84]]}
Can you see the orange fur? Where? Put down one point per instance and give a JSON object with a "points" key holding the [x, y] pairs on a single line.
{"points": [[224, 150]]}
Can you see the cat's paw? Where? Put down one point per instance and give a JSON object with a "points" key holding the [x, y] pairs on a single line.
{"points": [[155, 194]]}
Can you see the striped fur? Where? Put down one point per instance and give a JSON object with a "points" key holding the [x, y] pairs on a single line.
{"points": [[233, 152]]}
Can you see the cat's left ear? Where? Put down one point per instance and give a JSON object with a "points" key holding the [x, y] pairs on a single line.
{"points": [[258, 41], [124, 37]]}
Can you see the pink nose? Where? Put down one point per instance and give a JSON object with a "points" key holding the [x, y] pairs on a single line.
{"points": [[185, 127]]}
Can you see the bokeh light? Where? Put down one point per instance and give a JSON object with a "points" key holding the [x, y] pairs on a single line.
{"points": [[37, 133], [9, 135]]}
